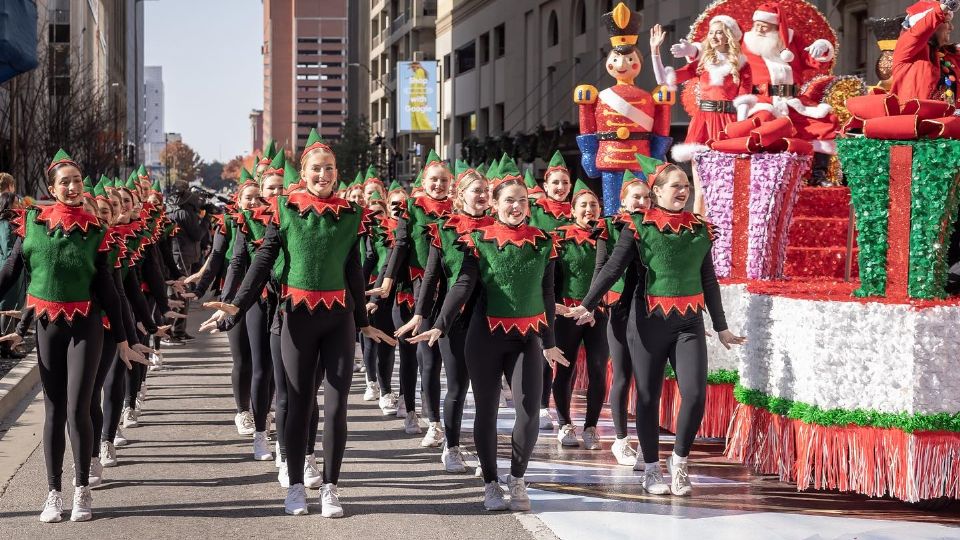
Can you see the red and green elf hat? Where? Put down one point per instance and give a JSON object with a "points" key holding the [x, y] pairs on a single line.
{"points": [[291, 176], [461, 168], [629, 179], [581, 188], [433, 158], [395, 186], [651, 168], [557, 163], [506, 171], [276, 166], [131, 183], [99, 190], [418, 182], [245, 178], [371, 176], [88, 187], [482, 168], [531, 183], [269, 153], [357, 181], [314, 141], [60, 158], [142, 173], [155, 187], [493, 171]]}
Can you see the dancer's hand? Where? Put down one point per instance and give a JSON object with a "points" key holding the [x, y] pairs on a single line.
{"points": [[371, 308], [562, 310], [429, 336], [728, 338], [177, 285], [143, 349], [12, 340], [382, 291], [657, 35], [188, 295], [581, 314], [230, 309], [12, 313], [211, 324], [163, 331], [174, 315], [141, 327], [554, 356], [175, 304], [413, 325], [192, 278], [128, 355], [378, 335]]}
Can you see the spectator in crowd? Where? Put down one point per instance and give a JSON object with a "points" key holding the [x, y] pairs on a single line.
{"points": [[184, 210]]}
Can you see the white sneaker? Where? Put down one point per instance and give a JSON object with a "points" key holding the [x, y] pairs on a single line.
{"points": [[452, 459], [519, 500], [411, 424], [493, 497], [653, 480], [244, 423], [52, 508], [356, 367], [373, 392], [283, 475], [82, 504], [108, 454], [388, 404], [568, 435], [311, 473], [296, 502], [261, 447], [129, 418], [591, 441], [278, 459], [119, 439], [506, 396], [478, 472], [95, 477], [679, 479], [624, 452], [330, 501], [434, 436], [141, 399], [401, 407], [546, 419]]}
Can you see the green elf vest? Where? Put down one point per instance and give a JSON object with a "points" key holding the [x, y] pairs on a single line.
{"points": [[577, 257], [316, 238], [445, 235], [512, 265], [548, 214], [60, 246], [672, 247], [421, 212]]}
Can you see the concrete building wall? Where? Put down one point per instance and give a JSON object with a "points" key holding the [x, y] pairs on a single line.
{"points": [[153, 134]]}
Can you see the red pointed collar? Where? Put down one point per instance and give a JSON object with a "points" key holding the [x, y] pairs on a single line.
{"points": [[68, 217], [434, 207], [518, 236], [464, 223], [576, 233], [557, 209], [305, 201], [675, 221], [262, 213]]}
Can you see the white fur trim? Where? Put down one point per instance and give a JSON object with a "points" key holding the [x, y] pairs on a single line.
{"points": [[730, 23], [786, 55], [684, 152], [914, 19], [766, 16], [778, 70], [718, 72], [670, 78], [761, 107], [825, 147], [819, 110], [745, 99]]}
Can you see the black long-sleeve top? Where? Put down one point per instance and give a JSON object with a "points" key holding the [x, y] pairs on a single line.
{"points": [[216, 259], [429, 286], [237, 269], [152, 273], [469, 278], [400, 250], [262, 267], [627, 252], [138, 303]]}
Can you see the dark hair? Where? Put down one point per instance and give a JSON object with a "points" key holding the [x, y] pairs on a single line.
{"points": [[503, 185], [52, 173], [7, 199]]}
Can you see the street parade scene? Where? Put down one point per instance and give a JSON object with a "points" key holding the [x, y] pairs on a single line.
{"points": [[714, 296]]}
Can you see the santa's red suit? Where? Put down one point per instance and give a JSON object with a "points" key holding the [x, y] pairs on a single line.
{"points": [[915, 74]]}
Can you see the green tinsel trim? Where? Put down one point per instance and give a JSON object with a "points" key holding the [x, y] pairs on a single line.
{"points": [[812, 414], [933, 208], [720, 376]]}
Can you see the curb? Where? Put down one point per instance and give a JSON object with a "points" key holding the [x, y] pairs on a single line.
{"points": [[17, 384]]}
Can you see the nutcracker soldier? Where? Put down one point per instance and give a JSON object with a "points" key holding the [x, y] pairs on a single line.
{"points": [[623, 120]]}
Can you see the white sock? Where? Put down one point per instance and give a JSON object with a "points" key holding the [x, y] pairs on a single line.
{"points": [[677, 459], [651, 466]]}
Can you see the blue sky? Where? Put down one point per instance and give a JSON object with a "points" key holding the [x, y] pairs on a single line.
{"points": [[212, 70]]}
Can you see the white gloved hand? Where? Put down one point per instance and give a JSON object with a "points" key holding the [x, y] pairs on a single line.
{"points": [[682, 49], [742, 111], [819, 50]]}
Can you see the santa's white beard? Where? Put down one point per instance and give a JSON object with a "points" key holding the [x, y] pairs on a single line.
{"points": [[767, 46]]}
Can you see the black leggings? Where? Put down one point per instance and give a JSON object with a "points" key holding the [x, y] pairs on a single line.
{"points": [[69, 357], [489, 357], [594, 340], [430, 361], [242, 375], [621, 364], [258, 333], [282, 401], [135, 377], [408, 359], [108, 355], [652, 344], [113, 395], [315, 345], [379, 357], [453, 351]]}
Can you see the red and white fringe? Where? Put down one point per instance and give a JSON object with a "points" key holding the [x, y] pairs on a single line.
{"points": [[867, 460]]}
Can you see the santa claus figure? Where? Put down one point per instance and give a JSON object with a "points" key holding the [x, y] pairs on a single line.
{"points": [[778, 61], [925, 63]]}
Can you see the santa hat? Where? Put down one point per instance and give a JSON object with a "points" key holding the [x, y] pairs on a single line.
{"points": [[918, 11], [771, 13], [730, 23]]}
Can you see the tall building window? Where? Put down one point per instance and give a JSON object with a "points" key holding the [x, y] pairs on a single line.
{"points": [[466, 57], [499, 41], [484, 45], [553, 30], [580, 18], [499, 119], [861, 40], [446, 66]]}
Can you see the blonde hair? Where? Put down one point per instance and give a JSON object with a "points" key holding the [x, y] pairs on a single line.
{"points": [[469, 177], [664, 177], [709, 56]]}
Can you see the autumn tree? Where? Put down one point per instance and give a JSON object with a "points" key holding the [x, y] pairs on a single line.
{"points": [[181, 162]]}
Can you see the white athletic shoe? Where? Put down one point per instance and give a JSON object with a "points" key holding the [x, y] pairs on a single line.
{"points": [[679, 479], [96, 473], [546, 419], [519, 500], [129, 418], [568, 435], [388, 404], [452, 459], [278, 459], [330, 501], [296, 502], [493, 497], [52, 508], [434, 436], [401, 407], [653, 480], [591, 441], [624, 452], [82, 504], [283, 475], [356, 367], [261, 447], [108, 454], [373, 392], [119, 439], [311, 473], [244, 423], [411, 424], [506, 396], [141, 399]]}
